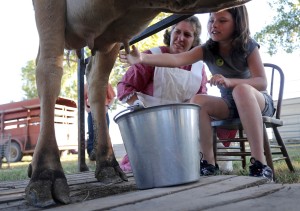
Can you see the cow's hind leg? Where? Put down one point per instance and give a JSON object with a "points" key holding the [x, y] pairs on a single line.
{"points": [[98, 71], [48, 183]]}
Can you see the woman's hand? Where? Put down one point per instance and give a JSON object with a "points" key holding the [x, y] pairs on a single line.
{"points": [[134, 56], [219, 80]]}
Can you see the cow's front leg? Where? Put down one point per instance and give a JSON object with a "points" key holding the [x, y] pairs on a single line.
{"points": [[98, 70], [48, 183]]}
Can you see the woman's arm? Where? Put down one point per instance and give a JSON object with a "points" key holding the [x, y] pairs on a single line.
{"points": [[136, 79], [162, 60]]}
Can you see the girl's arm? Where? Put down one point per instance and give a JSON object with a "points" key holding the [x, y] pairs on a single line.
{"points": [[162, 60], [258, 75]]}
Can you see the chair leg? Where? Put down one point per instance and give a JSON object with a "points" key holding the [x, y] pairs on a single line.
{"points": [[243, 148], [283, 149], [215, 143], [267, 150]]}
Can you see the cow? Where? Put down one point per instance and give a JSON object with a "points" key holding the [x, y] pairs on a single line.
{"points": [[103, 26]]}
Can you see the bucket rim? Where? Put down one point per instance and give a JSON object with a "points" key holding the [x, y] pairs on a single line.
{"points": [[130, 111]]}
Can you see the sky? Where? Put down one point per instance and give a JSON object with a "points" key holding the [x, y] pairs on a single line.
{"points": [[19, 44]]}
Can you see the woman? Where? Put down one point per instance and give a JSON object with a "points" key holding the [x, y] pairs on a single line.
{"points": [[146, 85]]}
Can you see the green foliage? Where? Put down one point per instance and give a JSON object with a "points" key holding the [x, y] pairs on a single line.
{"points": [[68, 83], [69, 79], [28, 78], [284, 31]]}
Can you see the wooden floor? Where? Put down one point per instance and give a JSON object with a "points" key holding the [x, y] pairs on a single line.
{"points": [[224, 192]]}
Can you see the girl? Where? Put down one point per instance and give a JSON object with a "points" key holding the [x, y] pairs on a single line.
{"points": [[235, 63]]}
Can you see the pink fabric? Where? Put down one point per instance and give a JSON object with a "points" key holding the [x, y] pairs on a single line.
{"points": [[125, 164], [139, 78], [225, 134]]}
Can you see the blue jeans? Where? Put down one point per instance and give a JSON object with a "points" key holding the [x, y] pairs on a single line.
{"points": [[90, 141]]}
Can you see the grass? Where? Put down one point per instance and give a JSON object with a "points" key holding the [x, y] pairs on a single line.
{"points": [[18, 171]]}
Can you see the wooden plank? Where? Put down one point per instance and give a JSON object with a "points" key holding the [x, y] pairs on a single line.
{"points": [[78, 193], [7, 192], [286, 198], [12, 197], [219, 184], [196, 199], [226, 192], [83, 186], [15, 186]]}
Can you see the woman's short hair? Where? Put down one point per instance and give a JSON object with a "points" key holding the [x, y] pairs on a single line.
{"points": [[194, 21]]}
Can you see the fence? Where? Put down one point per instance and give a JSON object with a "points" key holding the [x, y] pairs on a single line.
{"points": [[290, 114]]}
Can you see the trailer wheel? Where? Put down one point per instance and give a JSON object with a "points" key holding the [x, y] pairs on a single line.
{"points": [[14, 154]]}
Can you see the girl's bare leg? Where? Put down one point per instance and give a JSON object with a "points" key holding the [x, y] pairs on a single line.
{"points": [[250, 103], [210, 107]]}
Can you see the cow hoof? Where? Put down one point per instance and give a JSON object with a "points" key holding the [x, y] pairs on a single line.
{"points": [[121, 173], [38, 194], [47, 190], [61, 191], [110, 175]]}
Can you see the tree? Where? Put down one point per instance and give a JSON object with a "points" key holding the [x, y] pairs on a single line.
{"points": [[284, 32], [69, 79], [28, 78]]}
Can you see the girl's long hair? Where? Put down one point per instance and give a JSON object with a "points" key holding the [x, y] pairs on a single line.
{"points": [[241, 35]]}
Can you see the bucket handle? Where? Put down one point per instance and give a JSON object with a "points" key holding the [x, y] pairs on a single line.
{"points": [[129, 108], [118, 114]]}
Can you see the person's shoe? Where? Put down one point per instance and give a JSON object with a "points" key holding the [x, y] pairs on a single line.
{"points": [[125, 164], [92, 155], [207, 169], [257, 169]]}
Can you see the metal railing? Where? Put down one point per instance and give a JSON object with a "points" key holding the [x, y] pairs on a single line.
{"points": [[5, 145]]}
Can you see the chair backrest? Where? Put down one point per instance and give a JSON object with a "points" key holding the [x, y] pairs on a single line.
{"points": [[275, 76]]}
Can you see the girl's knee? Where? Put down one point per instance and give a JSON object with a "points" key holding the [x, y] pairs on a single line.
{"points": [[197, 99], [241, 90]]}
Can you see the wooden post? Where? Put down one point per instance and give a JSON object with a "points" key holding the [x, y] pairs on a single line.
{"points": [[80, 105]]}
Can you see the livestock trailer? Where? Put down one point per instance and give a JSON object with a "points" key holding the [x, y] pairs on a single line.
{"points": [[20, 127]]}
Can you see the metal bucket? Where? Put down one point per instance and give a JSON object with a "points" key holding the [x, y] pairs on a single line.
{"points": [[162, 143]]}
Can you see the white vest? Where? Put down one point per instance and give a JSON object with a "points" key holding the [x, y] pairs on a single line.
{"points": [[173, 85]]}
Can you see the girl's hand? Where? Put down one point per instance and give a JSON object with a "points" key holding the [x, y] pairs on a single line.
{"points": [[219, 80], [134, 56]]}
